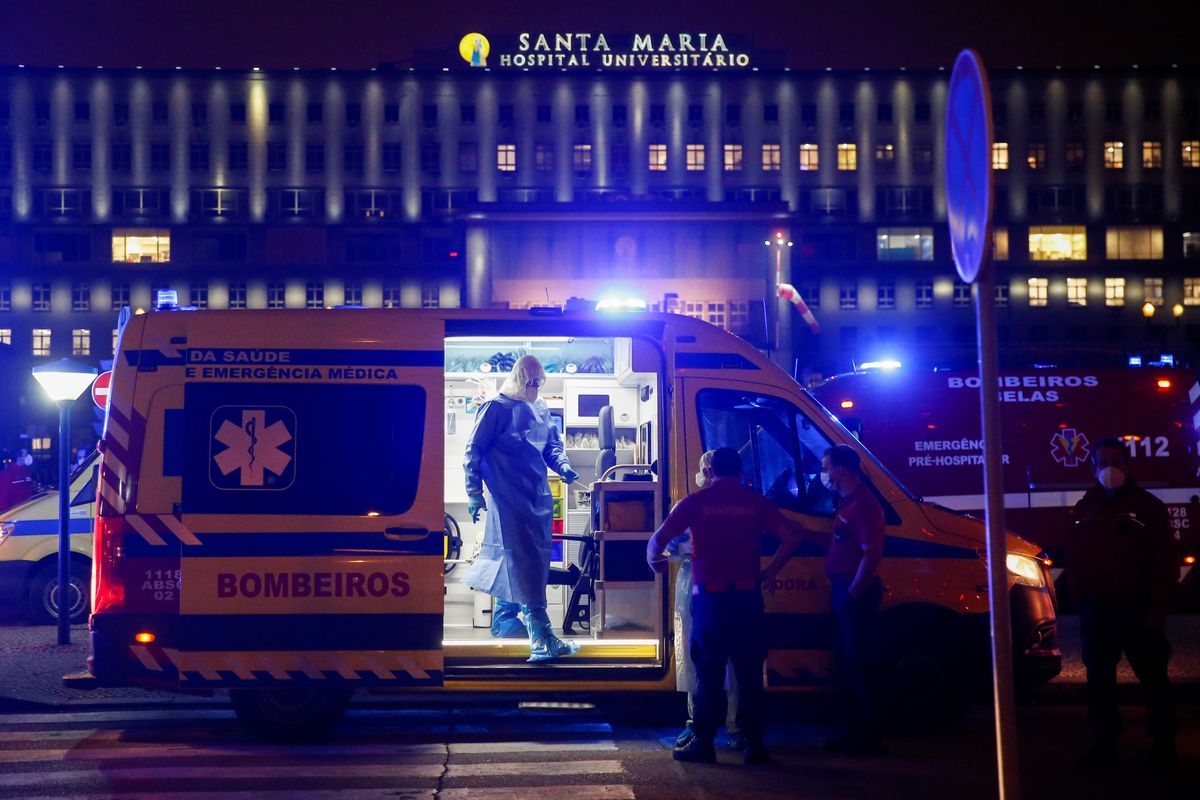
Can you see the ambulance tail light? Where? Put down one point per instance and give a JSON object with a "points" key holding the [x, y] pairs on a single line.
{"points": [[108, 589], [1163, 384]]}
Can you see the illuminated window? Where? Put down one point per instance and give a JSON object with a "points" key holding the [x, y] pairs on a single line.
{"points": [[1191, 291], [1114, 155], [1152, 155], [314, 294], [120, 296], [658, 158], [506, 157], [41, 296], [81, 297], [543, 158], [5, 297], [770, 158], [1152, 290], [199, 295], [1077, 291], [1001, 295], [847, 157], [391, 295], [276, 294], [1190, 149], [352, 294], [81, 342], [1134, 242], [848, 297], [885, 155], [810, 157], [41, 341], [885, 295], [430, 296], [733, 158], [904, 244], [695, 157], [116, 334], [924, 294], [583, 158], [1191, 245], [1114, 291], [237, 294], [1035, 156], [1000, 244], [1039, 292], [41, 444], [1000, 155], [1057, 243], [6, 336], [962, 293], [145, 246]]}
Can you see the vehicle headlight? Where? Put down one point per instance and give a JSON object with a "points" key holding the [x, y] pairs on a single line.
{"points": [[1026, 570], [6, 529]]}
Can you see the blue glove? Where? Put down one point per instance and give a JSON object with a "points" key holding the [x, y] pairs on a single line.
{"points": [[570, 476], [475, 504]]}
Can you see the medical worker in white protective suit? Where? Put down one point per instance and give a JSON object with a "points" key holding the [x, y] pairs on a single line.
{"points": [[513, 442]]}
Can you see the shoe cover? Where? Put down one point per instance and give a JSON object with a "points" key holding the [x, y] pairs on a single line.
{"points": [[543, 644], [505, 623]]}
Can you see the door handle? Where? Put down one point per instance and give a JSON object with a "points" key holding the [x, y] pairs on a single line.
{"points": [[406, 534]]}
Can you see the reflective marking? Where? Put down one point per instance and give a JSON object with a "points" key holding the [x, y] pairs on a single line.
{"points": [[465, 748], [974, 502], [597, 767], [176, 526], [143, 655], [118, 433], [111, 497], [1194, 393], [145, 531], [601, 792], [177, 750], [14, 780]]}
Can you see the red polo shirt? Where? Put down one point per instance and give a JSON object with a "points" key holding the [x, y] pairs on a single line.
{"points": [[858, 523], [727, 521]]}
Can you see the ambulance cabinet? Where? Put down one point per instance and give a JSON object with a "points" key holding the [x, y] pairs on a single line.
{"points": [[628, 593]]}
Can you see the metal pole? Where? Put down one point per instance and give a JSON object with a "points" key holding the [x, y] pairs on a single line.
{"points": [[64, 520], [997, 549]]}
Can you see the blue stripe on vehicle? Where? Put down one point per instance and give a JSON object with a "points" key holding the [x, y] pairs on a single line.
{"points": [[234, 632], [713, 361], [236, 357], [223, 545], [49, 527]]}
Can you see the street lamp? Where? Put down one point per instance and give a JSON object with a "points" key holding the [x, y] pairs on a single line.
{"points": [[64, 381], [1148, 310], [783, 328]]}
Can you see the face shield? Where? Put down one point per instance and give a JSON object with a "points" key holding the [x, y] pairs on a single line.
{"points": [[525, 380]]}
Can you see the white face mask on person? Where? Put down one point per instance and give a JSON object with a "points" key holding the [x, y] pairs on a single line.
{"points": [[701, 481], [826, 481], [1111, 478]]}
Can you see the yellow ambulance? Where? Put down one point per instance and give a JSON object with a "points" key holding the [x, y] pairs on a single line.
{"points": [[276, 489], [29, 549]]}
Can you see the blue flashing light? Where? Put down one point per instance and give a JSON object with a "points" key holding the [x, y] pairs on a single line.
{"points": [[166, 300], [1135, 361], [883, 364], [618, 305], [1167, 360]]}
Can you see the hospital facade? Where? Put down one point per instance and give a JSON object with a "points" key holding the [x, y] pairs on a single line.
{"points": [[698, 190]]}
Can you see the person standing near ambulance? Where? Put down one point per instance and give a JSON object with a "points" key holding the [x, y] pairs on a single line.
{"points": [[727, 520], [856, 593], [512, 444], [1122, 570]]}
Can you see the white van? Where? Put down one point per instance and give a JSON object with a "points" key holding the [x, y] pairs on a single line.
{"points": [[275, 485]]}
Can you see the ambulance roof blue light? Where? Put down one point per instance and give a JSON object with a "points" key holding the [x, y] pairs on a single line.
{"points": [[619, 305], [885, 364]]}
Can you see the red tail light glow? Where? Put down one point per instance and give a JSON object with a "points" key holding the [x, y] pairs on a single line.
{"points": [[108, 589]]}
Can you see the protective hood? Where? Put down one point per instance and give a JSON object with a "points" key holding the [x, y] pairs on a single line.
{"points": [[526, 370]]}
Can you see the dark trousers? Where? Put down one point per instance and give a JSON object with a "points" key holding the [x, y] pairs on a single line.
{"points": [[1107, 629], [727, 627], [856, 657]]}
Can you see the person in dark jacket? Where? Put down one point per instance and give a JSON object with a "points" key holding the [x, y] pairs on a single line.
{"points": [[1121, 568]]}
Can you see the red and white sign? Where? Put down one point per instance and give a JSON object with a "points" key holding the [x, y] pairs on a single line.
{"points": [[100, 389]]}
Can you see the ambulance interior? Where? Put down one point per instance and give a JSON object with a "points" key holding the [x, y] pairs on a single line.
{"points": [[605, 396]]}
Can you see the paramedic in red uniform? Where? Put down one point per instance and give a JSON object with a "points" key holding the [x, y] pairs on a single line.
{"points": [[852, 563], [1121, 567], [727, 520]]}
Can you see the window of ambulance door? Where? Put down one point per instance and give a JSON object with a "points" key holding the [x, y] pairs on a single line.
{"points": [[780, 447]]}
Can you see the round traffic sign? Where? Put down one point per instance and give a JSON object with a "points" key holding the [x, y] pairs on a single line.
{"points": [[100, 389], [969, 165]]}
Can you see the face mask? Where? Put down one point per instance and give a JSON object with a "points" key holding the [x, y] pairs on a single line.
{"points": [[701, 481], [826, 481], [1111, 478]]}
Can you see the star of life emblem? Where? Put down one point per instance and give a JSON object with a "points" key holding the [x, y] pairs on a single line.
{"points": [[1069, 447], [252, 456]]}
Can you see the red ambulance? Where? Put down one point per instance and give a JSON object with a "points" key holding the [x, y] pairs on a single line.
{"points": [[924, 426]]}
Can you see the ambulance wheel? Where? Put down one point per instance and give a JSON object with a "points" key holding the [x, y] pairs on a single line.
{"points": [[43, 593], [923, 687], [290, 715]]}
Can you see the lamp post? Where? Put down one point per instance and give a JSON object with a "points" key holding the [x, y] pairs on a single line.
{"points": [[64, 381], [783, 322]]}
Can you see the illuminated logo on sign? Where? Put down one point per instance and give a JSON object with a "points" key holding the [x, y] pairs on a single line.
{"points": [[587, 50], [1069, 448], [474, 48], [258, 448]]}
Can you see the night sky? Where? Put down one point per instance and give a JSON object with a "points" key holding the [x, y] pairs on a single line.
{"points": [[356, 33]]}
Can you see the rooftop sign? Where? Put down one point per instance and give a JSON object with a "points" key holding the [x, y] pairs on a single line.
{"points": [[595, 50]]}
